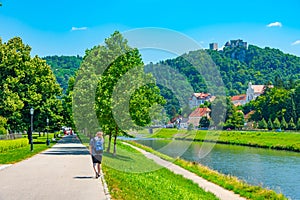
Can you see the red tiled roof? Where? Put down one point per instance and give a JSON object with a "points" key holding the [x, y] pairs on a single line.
{"points": [[238, 97], [248, 115], [199, 112], [201, 95]]}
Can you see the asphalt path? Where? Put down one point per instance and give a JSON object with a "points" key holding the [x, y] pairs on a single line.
{"points": [[62, 172]]}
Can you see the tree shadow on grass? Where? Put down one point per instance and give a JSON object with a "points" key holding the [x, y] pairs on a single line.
{"points": [[119, 157]]}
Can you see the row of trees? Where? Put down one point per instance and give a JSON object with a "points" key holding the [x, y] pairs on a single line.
{"points": [[276, 124]]}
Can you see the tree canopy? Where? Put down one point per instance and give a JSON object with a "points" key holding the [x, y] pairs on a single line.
{"points": [[27, 82]]}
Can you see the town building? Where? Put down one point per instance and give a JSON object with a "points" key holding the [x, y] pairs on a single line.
{"points": [[236, 43], [253, 91], [197, 114], [198, 99]]}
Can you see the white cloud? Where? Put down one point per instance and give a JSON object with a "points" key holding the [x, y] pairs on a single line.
{"points": [[78, 28], [297, 42], [275, 24]]}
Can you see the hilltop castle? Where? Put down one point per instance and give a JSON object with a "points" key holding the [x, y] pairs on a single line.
{"points": [[230, 44]]}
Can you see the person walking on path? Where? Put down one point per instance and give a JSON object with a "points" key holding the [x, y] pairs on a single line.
{"points": [[96, 150]]}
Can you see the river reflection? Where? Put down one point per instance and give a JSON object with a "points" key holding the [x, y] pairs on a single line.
{"points": [[277, 170]]}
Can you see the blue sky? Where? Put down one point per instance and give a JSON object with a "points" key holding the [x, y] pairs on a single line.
{"points": [[65, 27]]}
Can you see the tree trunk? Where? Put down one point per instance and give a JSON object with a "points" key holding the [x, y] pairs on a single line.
{"points": [[115, 145], [109, 142]]}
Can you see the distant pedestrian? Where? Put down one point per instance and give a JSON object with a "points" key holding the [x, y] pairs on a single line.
{"points": [[96, 151]]}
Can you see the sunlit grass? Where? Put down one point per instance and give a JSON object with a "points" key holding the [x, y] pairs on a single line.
{"points": [[228, 182], [18, 154], [275, 140], [130, 175]]}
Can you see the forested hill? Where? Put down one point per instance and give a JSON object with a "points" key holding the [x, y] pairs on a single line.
{"points": [[63, 67], [239, 65]]}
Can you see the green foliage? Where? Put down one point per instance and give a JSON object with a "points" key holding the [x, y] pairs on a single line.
{"points": [[2, 130], [292, 125], [298, 124], [204, 122], [3, 121], [190, 127], [6, 145], [276, 124], [63, 67], [270, 124], [284, 124], [112, 82], [262, 124], [27, 82]]}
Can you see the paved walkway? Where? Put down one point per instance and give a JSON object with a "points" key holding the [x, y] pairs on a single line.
{"points": [[220, 192], [62, 172]]}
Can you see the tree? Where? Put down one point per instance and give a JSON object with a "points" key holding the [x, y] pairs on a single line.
{"points": [[270, 124], [298, 124], [283, 124], [292, 125], [262, 124], [204, 122], [122, 92], [27, 82], [3, 122], [276, 123], [190, 127]]}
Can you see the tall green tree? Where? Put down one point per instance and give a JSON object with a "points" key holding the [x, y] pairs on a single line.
{"points": [[283, 124], [276, 123], [270, 124], [27, 82], [262, 124], [292, 125], [118, 91]]}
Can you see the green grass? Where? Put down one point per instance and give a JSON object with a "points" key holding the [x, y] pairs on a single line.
{"points": [[264, 139], [18, 154], [130, 175], [228, 182], [85, 140], [6, 145]]}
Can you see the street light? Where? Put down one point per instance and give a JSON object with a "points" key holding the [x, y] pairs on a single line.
{"points": [[47, 142], [31, 128]]}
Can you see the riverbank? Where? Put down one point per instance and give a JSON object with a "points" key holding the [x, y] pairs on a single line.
{"points": [[263, 139], [130, 175], [228, 182]]}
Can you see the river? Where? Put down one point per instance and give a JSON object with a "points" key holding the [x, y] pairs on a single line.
{"points": [[276, 170]]}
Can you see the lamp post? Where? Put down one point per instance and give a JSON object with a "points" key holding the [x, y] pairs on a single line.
{"points": [[47, 142], [31, 128]]}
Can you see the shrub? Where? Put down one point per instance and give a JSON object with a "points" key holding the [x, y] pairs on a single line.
{"points": [[6, 145], [2, 130]]}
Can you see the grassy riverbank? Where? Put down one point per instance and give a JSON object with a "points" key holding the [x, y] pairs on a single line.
{"points": [[264, 139], [130, 175], [227, 182], [19, 153]]}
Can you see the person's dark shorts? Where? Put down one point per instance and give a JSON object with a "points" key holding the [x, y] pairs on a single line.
{"points": [[97, 158]]}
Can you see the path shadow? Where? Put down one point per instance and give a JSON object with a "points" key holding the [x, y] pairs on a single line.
{"points": [[83, 177]]}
